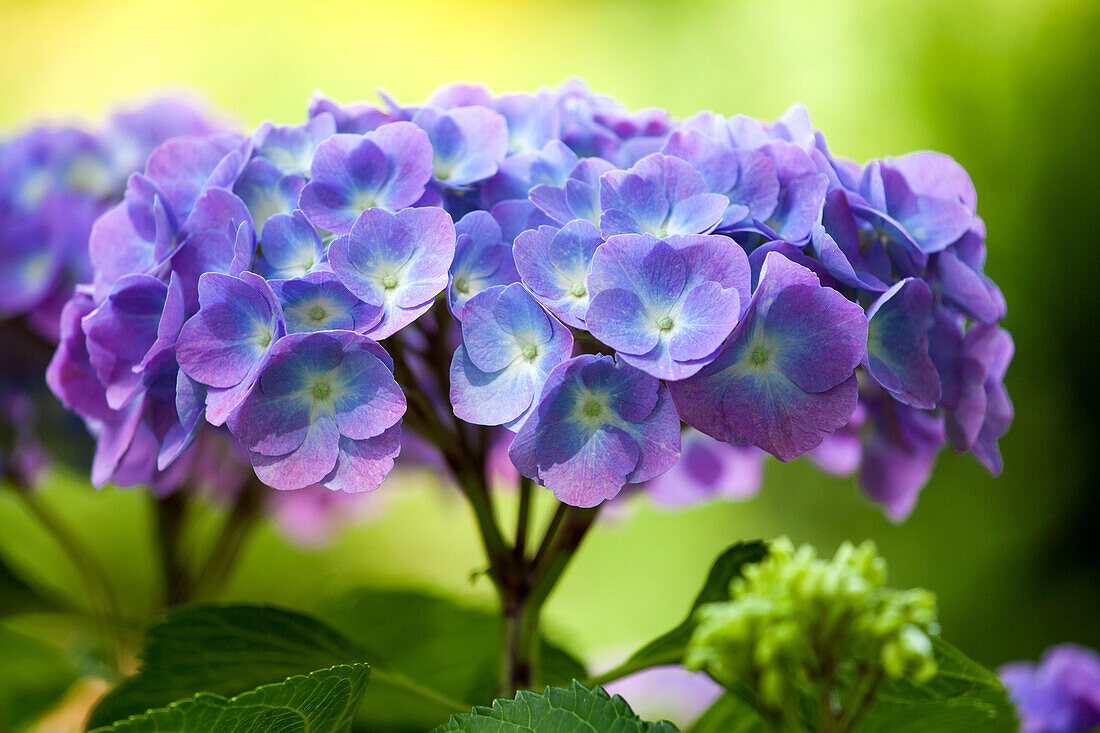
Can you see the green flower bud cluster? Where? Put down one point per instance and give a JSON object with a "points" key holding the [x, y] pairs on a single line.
{"points": [[811, 639]]}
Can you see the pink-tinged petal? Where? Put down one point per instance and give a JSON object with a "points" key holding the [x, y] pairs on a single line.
{"points": [[657, 438], [937, 175], [819, 336], [308, 464], [596, 471], [362, 465]]}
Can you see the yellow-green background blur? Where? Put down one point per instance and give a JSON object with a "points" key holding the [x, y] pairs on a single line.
{"points": [[1010, 88]]}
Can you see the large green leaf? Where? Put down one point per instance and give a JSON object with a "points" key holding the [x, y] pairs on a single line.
{"points": [[33, 676], [321, 702], [963, 696], [449, 647], [669, 648], [224, 650], [572, 710]]}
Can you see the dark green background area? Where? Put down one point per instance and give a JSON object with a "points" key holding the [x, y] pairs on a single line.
{"points": [[1008, 88]]}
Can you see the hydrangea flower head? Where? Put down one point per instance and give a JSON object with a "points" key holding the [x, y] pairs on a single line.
{"points": [[792, 609], [729, 273], [598, 426]]}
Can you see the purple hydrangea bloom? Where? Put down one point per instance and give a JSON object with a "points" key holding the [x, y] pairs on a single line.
{"points": [[666, 305], [578, 198], [786, 376], [319, 302], [396, 261], [897, 344], [519, 174], [291, 147], [925, 222], [468, 143], [660, 195], [554, 265], [325, 410], [509, 346], [226, 344], [120, 332], [900, 450], [746, 177], [972, 368], [732, 257], [1059, 695], [801, 193], [709, 469], [386, 168], [291, 248], [266, 190], [482, 260], [598, 426]]}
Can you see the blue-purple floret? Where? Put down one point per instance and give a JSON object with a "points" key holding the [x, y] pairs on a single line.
{"points": [[1060, 694], [595, 277]]}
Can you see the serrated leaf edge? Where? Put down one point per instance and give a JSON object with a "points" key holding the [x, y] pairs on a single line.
{"points": [[228, 700]]}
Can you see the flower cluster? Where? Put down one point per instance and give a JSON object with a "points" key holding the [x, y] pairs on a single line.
{"points": [[54, 182], [796, 623], [1061, 694], [550, 264]]}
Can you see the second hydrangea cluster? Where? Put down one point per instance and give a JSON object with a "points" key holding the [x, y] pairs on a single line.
{"points": [[552, 265], [799, 625]]}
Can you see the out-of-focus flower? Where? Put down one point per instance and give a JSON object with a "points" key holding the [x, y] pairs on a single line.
{"points": [[1060, 694]]}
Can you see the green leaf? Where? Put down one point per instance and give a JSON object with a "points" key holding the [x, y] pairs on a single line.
{"points": [[669, 648], [729, 714], [963, 696], [449, 647], [573, 710], [321, 702], [223, 650], [33, 676]]}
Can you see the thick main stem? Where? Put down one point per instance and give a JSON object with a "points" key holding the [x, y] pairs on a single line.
{"points": [[170, 512], [523, 584], [523, 603]]}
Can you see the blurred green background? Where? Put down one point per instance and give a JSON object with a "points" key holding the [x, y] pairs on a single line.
{"points": [[1010, 88]]}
